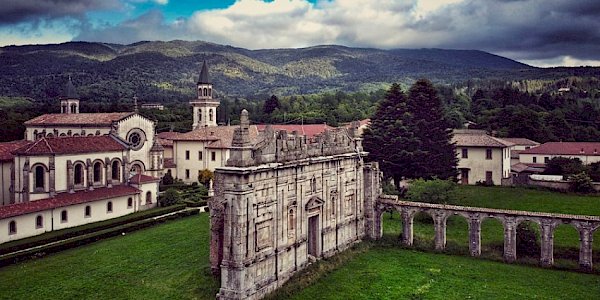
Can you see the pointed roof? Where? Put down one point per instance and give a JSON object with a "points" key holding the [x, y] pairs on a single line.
{"points": [[70, 92], [203, 74]]}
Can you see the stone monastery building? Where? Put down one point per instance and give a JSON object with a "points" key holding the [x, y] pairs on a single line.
{"points": [[75, 168]]}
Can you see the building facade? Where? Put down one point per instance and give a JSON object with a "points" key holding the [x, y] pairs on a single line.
{"points": [[481, 158], [285, 201], [587, 152]]}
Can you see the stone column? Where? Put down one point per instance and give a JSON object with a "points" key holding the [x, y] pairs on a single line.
{"points": [[510, 239], [407, 226], [547, 255], [126, 168], [475, 235], [52, 176], [585, 245], [12, 183], [372, 214], [439, 221], [70, 177], [90, 174]]}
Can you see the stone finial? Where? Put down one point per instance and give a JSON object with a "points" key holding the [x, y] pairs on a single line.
{"points": [[241, 136]]}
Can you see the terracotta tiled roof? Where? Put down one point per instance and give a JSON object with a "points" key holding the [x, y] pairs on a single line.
{"points": [[521, 141], [166, 138], [140, 178], [71, 145], [8, 147], [308, 130], [478, 138], [169, 163], [66, 199], [83, 119], [566, 148], [215, 133]]}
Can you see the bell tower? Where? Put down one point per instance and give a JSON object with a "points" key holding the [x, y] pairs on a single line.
{"points": [[204, 106], [69, 101]]}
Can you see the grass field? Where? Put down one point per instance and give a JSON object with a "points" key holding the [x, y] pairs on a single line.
{"points": [[171, 261]]}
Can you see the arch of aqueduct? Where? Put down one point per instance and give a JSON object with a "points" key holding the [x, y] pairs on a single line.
{"points": [[547, 222]]}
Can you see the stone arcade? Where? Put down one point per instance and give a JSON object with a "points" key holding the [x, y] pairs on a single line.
{"points": [[284, 202]]}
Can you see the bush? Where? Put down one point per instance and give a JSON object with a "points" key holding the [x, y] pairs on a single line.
{"points": [[170, 197], [527, 243], [167, 178], [581, 183], [432, 191], [564, 166]]}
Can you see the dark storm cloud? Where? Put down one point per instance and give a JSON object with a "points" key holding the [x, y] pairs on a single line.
{"points": [[529, 29], [17, 11]]}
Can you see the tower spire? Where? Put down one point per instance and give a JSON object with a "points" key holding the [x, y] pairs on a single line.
{"points": [[205, 105], [203, 78]]}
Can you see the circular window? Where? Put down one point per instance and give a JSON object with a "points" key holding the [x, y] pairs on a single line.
{"points": [[136, 139]]}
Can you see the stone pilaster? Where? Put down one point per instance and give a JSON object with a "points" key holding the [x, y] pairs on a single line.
{"points": [[407, 226], [70, 177], [12, 183], [510, 239], [475, 235], [586, 238], [439, 222], [52, 176], [374, 228], [126, 167], [108, 172], [547, 255], [25, 190], [90, 174]]}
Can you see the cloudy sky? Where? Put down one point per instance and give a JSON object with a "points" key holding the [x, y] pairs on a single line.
{"points": [[537, 32]]}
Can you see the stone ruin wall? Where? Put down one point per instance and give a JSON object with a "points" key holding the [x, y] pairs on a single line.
{"points": [[286, 202]]}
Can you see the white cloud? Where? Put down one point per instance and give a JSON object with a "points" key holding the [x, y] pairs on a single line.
{"points": [[564, 61]]}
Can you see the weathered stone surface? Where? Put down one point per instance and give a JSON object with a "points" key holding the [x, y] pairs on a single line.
{"points": [[286, 202]]}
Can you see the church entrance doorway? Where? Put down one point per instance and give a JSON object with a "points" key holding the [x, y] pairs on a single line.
{"points": [[313, 236]]}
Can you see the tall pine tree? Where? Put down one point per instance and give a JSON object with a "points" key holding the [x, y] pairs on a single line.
{"points": [[389, 137], [438, 158]]}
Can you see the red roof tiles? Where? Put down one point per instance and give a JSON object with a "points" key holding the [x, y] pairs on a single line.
{"points": [[83, 119], [521, 141], [66, 199], [222, 134], [478, 138], [71, 145], [140, 178], [566, 148], [8, 147]]}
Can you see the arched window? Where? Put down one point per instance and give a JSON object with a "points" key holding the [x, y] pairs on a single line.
{"points": [[200, 114], [205, 92], [78, 178], [73, 108], [210, 92], [64, 109], [63, 134], [109, 207], [39, 221], [210, 114], [116, 170], [40, 173], [97, 172], [291, 220], [149, 197], [88, 211], [12, 227], [64, 217], [129, 202]]}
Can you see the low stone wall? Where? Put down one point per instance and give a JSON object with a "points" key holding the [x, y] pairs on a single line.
{"points": [[559, 185]]}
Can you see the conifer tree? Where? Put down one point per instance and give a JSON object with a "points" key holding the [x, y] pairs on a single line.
{"points": [[389, 137], [438, 158]]}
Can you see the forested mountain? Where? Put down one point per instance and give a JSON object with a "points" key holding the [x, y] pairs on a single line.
{"points": [[166, 71]]}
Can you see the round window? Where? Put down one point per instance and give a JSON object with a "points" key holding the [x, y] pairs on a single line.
{"points": [[136, 139]]}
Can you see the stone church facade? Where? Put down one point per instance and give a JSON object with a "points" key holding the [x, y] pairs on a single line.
{"points": [[286, 201]]}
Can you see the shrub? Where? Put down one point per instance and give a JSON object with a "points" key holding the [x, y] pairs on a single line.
{"points": [[167, 178], [564, 166], [527, 243], [170, 197], [205, 176], [581, 183], [432, 191]]}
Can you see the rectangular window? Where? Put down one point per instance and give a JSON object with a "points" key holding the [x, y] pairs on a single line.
{"points": [[534, 159], [488, 178], [199, 155], [187, 174], [187, 155], [488, 153], [465, 153], [213, 155], [546, 159], [130, 203]]}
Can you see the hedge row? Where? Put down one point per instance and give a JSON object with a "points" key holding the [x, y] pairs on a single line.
{"points": [[190, 203], [66, 233], [92, 237]]}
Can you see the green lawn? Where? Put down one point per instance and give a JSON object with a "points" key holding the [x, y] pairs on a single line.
{"points": [[393, 273], [169, 261]]}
